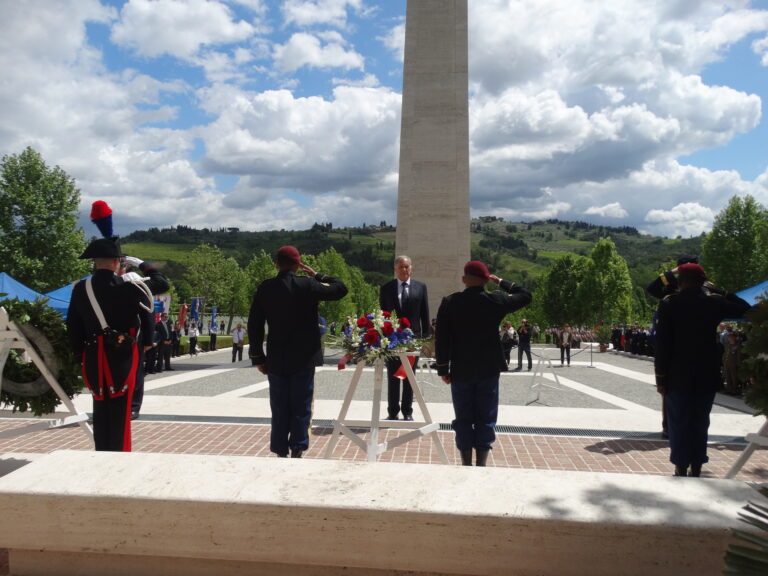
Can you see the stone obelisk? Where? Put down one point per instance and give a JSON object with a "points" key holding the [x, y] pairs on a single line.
{"points": [[433, 192]]}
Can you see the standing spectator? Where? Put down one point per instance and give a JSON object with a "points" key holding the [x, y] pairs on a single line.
{"points": [[407, 298], [508, 341], [470, 357], [523, 345], [288, 305], [238, 342], [193, 334], [687, 364], [108, 320], [566, 340], [222, 328], [732, 364], [164, 344], [213, 331], [176, 340]]}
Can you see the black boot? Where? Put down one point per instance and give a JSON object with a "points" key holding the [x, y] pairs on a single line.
{"points": [[482, 457], [695, 470], [681, 470], [296, 452], [466, 457]]}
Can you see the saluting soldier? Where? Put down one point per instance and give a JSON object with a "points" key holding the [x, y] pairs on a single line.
{"points": [[687, 362], [108, 322], [470, 355]]}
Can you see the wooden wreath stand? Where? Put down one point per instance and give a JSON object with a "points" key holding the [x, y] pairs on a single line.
{"points": [[11, 338], [372, 447]]}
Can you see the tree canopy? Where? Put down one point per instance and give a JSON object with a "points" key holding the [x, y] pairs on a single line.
{"points": [[39, 238], [735, 253]]}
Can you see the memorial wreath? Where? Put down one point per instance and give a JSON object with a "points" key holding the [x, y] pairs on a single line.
{"points": [[23, 386], [379, 335]]}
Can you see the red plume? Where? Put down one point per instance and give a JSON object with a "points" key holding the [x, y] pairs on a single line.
{"points": [[100, 209]]}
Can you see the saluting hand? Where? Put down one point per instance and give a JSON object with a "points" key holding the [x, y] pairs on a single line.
{"points": [[307, 269], [495, 279]]}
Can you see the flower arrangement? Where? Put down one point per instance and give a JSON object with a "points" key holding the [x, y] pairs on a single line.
{"points": [[380, 334]]}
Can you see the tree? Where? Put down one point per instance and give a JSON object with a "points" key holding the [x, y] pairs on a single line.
{"points": [[214, 277], [607, 287], [734, 253], [39, 238], [559, 290], [332, 263]]}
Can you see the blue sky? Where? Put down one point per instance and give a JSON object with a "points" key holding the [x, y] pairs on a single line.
{"points": [[278, 114]]}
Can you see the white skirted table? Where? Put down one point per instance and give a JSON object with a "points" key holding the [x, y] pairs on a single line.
{"points": [[373, 448]]}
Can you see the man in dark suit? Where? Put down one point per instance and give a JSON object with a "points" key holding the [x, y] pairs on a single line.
{"points": [[108, 322], [687, 362], [470, 355], [163, 344], [288, 304], [407, 298]]}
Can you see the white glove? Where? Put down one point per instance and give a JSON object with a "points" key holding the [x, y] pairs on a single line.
{"points": [[132, 262]]}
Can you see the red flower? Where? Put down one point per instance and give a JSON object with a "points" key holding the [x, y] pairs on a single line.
{"points": [[386, 314], [371, 337], [364, 322], [387, 329], [405, 323]]}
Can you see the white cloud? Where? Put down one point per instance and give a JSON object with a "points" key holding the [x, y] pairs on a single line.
{"points": [[307, 13], [175, 27], [311, 145], [688, 219], [612, 210], [304, 49], [394, 40], [760, 47]]}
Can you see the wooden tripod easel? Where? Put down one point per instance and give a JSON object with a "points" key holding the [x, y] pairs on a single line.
{"points": [[11, 338], [373, 448]]}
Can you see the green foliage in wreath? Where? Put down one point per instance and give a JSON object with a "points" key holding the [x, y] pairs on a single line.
{"points": [[43, 319], [755, 366]]}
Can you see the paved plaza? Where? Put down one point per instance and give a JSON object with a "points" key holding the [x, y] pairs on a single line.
{"points": [[600, 414]]}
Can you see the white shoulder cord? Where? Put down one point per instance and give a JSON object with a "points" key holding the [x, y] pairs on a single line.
{"points": [[143, 288], [95, 303]]}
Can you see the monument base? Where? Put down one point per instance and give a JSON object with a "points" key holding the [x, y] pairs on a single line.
{"points": [[90, 513]]}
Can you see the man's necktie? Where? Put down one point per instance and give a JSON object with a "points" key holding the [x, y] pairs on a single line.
{"points": [[404, 296]]}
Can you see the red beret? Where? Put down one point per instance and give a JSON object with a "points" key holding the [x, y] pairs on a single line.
{"points": [[691, 269], [476, 268], [289, 253]]}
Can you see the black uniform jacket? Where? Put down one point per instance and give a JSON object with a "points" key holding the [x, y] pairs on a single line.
{"points": [[288, 304], [687, 353], [105, 366], [467, 343], [417, 308]]}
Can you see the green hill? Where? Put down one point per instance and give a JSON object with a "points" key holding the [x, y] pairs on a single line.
{"points": [[519, 250]]}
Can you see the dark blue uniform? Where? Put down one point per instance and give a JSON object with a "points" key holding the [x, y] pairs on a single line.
{"points": [[288, 304], [687, 366], [469, 350]]}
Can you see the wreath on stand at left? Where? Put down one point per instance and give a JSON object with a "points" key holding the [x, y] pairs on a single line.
{"points": [[23, 386]]}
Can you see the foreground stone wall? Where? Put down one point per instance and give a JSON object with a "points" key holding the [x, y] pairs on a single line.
{"points": [[91, 513]]}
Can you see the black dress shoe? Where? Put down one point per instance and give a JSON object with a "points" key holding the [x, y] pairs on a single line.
{"points": [[408, 417], [695, 470], [134, 415], [518, 369], [391, 418], [681, 470], [296, 452]]}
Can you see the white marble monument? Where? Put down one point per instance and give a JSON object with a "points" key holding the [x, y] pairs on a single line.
{"points": [[433, 193]]}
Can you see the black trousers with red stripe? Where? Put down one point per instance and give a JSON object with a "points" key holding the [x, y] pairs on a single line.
{"points": [[112, 424]]}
